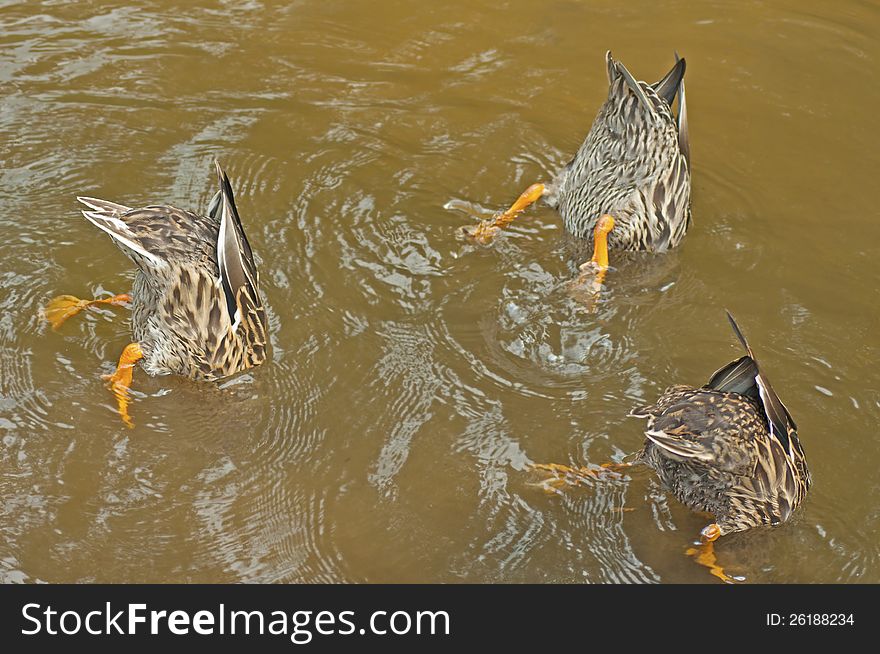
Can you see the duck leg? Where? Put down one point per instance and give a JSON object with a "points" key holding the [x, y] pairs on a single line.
{"points": [[120, 381], [704, 553], [563, 475], [595, 269], [62, 307], [486, 230]]}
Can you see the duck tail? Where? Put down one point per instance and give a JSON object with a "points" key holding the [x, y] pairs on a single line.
{"points": [[615, 69], [779, 418], [739, 334], [108, 217], [235, 261], [736, 377], [669, 85]]}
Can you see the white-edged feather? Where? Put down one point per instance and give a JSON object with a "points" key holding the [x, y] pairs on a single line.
{"points": [[782, 439], [677, 446], [102, 205], [214, 204], [119, 231], [684, 143], [222, 265], [635, 87]]}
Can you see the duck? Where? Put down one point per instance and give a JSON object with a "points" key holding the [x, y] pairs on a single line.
{"points": [[729, 448], [634, 167], [196, 307]]}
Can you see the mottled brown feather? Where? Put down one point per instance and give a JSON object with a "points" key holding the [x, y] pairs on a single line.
{"points": [[634, 164], [179, 313], [716, 447]]}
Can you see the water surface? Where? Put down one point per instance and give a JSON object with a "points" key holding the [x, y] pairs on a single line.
{"points": [[413, 376]]}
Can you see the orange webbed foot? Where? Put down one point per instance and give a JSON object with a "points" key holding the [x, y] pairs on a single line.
{"points": [[484, 232], [62, 307], [120, 380], [704, 554], [562, 475], [593, 272]]}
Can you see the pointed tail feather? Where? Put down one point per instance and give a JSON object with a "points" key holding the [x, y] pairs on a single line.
{"points": [[617, 67], [635, 87], [739, 334], [106, 216], [640, 412], [777, 414], [684, 141], [103, 205], [668, 86]]}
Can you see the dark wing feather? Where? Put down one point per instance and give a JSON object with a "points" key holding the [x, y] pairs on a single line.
{"points": [[667, 87], [684, 143], [778, 417], [739, 334], [234, 257], [737, 377]]}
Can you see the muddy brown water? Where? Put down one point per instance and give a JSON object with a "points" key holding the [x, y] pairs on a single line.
{"points": [[413, 376]]}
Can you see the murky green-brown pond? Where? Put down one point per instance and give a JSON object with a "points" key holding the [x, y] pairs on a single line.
{"points": [[413, 376]]}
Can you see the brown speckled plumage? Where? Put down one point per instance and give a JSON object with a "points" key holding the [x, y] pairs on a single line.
{"points": [[729, 448], [634, 165], [196, 305]]}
